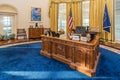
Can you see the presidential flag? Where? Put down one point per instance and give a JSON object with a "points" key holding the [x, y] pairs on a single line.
{"points": [[106, 23], [70, 22]]}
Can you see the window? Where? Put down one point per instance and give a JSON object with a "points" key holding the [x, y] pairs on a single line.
{"points": [[8, 19], [6, 24], [85, 13], [62, 17], [117, 19]]}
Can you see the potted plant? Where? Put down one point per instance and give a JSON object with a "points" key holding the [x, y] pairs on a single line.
{"points": [[7, 37], [12, 36], [1, 37]]}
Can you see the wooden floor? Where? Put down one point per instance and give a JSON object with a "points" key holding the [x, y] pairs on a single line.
{"points": [[113, 45], [17, 41]]}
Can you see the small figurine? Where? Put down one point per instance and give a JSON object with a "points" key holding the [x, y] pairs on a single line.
{"points": [[36, 25]]}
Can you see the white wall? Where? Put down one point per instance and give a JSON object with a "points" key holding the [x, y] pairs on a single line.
{"points": [[23, 9]]}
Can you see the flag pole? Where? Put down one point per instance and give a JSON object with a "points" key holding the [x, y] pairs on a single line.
{"points": [[70, 21], [106, 35], [106, 23]]}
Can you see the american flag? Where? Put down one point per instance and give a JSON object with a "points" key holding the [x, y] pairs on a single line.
{"points": [[70, 23]]}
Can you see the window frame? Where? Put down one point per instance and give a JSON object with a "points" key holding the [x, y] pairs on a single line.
{"points": [[117, 40], [64, 23]]}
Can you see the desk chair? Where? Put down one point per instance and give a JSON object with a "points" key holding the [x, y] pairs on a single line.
{"points": [[21, 32]]}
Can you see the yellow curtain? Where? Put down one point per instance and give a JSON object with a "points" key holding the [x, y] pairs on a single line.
{"points": [[53, 15], [97, 14], [76, 14], [64, 1], [76, 10]]}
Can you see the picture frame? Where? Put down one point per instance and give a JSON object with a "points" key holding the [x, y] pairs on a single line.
{"points": [[36, 14]]}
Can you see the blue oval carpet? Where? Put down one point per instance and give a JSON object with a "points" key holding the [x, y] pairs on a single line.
{"points": [[25, 62]]}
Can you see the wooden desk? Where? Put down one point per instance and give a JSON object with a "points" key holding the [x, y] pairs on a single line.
{"points": [[79, 55], [35, 33]]}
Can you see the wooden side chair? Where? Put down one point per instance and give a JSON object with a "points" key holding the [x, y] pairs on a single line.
{"points": [[21, 32]]}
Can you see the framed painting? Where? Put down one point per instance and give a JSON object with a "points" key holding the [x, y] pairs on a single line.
{"points": [[36, 14]]}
